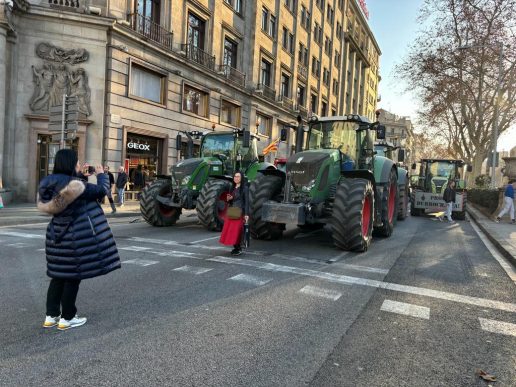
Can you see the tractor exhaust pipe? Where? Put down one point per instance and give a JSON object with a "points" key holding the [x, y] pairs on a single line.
{"points": [[300, 134]]}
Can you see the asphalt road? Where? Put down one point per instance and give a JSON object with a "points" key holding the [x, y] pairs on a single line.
{"points": [[426, 307]]}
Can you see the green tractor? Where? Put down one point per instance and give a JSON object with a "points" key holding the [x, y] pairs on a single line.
{"points": [[202, 183], [387, 149], [337, 180], [428, 188]]}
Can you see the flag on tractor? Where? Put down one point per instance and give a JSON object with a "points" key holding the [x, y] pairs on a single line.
{"points": [[272, 147]]}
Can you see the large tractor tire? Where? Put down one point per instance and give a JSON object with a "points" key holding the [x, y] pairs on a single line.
{"points": [[266, 187], [403, 202], [389, 206], [353, 215], [154, 212], [212, 205]]}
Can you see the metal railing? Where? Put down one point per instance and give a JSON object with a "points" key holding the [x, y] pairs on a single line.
{"points": [[65, 3], [149, 29], [197, 55], [286, 102], [302, 110], [231, 74], [267, 91], [302, 71]]}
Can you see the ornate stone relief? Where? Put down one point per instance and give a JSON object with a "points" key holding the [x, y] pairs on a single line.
{"points": [[57, 76]]}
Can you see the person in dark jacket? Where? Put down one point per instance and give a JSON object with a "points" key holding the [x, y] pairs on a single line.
{"points": [[110, 191], [449, 198], [232, 230], [139, 178], [79, 242], [121, 181]]}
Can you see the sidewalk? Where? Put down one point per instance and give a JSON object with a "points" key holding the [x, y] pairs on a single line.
{"points": [[26, 213], [502, 235]]}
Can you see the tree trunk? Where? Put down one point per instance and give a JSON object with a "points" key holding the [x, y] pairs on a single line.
{"points": [[478, 159]]}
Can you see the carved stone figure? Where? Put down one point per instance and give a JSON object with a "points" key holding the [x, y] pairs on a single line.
{"points": [[60, 86], [52, 53], [43, 78], [79, 88]]}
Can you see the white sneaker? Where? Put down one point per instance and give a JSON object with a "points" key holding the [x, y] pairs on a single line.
{"points": [[73, 323], [50, 321]]}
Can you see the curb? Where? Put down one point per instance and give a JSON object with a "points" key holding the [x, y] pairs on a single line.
{"points": [[501, 247]]}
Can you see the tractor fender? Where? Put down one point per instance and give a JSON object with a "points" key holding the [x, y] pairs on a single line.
{"points": [[382, 169], [221, 177], [256, 168], [402, 176]]}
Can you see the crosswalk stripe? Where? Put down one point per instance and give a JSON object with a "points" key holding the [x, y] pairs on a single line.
{"points": [[320, 292], [22, 235], [500, 327], [193, 270], [134, 248], [406, 309], [251, 279], [141, 262]]}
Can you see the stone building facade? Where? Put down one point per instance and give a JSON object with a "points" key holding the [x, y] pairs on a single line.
{"points": [[400, 132], [145, 70]]}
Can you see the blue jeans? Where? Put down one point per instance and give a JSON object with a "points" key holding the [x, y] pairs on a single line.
{"points": [[120, 192]]}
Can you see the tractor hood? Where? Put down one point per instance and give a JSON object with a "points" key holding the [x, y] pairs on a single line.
{"points": [[184, 168], [304, 166]]}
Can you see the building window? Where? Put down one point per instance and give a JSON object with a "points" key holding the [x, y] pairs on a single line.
{"points": [[264, 124], [333, 111], [327, 45], [335, 87], [196, 31], [337, 58], [195, 101], [149, 9], [235, 4], [285, 85], [291, 5], [326, 76], [272, 26], [265, 76], [230, 53], [300, 95], [265, 19], [305, 18], [303, 54], [147, 84], [313, 103], [330, 14], [268, 23], [230, 113], [339, 31], [320, 4], [316, 67], [324, 108]]}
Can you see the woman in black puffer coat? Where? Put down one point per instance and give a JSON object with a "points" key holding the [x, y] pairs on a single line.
{"points": [[79, 242]]}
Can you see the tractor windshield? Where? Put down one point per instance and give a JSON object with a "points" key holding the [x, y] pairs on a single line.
{"points": [[441, 169], [334, 135], [218, 144], [248, 155]]}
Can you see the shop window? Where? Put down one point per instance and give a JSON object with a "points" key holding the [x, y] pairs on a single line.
{"points": [[195, 101], [147, 84], [230, 113], [264, 124]]}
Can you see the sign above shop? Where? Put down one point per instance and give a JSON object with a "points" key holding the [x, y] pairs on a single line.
{"points": [[135, 145]]}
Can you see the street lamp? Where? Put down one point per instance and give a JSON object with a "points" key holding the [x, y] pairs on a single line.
{"points": [[497, 104]]}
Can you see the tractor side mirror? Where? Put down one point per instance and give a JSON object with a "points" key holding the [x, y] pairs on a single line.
{"points": [[179, 142], [283, 134], [401, 155], [469, 168], [413, 166], [246, 141], [380, 132]]}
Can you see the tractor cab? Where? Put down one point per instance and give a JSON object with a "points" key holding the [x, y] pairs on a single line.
{"points": [[434, 174]]}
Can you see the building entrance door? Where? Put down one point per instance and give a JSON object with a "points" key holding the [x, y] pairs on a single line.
{"points": [[47, 150]]}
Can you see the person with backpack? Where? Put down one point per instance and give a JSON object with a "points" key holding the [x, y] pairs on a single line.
{"points": [[79, 242], [449, 198], [508, 202]]}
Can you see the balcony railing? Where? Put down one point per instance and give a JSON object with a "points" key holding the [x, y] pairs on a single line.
{"points": [[286, 102], [197, 55], [302, 71], [267, 91], [74, 4], [232, 74], [153, 31], [302, 110]]}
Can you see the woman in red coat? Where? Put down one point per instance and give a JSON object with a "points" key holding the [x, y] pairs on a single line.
{"points": [[232, 230]]}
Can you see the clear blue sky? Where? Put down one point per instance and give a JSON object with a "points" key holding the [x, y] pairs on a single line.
{"points": [[394, 26]]}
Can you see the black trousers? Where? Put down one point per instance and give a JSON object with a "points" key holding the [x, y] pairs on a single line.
{"points": [[61, 298]]}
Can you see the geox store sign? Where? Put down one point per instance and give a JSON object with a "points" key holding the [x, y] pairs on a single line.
{"points": [[135, 145]]}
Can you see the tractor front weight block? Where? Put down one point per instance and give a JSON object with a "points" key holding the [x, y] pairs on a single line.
{"points": [[283, 213]]}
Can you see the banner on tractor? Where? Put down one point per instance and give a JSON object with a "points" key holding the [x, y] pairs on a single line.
{"points": [[433, 202]]}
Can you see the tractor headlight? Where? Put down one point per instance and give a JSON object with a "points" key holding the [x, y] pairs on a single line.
{"points": [[309, 186], [186, 180]]}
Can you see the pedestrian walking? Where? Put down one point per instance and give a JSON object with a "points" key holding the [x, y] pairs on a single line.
{"points": [[236, 214], [121, 181], [508, 202], [110, 192], [79, 242], [449, 198]]}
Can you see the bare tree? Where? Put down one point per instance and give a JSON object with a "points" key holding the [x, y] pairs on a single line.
{"points": [[453, 66]]}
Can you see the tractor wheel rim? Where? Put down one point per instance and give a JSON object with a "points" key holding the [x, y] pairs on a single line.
{"points": [[222, 205], [392, 202], [366, 216]]}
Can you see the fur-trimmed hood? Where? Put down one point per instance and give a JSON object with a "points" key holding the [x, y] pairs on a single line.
{"points": [[56, 192]]}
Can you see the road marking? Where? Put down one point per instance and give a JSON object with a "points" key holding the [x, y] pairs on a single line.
{"points": [[17, 245], [22, 235], [43, 249], [250, 279], [141, 262], [348, 280], [362, 268], [500, 327], [320, 292], [339, 257], [207, 239], [511, 272], [174, 243], [134, 248], [193, 270], [406, 309], [25, 225]]}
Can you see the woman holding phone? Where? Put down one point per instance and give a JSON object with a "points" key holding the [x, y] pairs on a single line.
{"points": [[237, 212]]}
